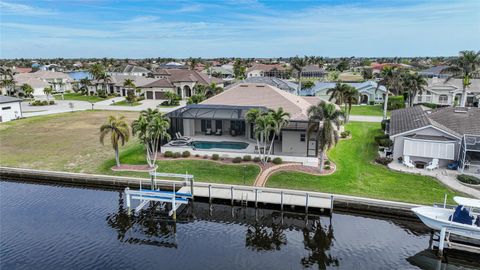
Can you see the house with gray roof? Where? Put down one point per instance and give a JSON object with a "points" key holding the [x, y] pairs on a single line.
{"points": [[132, 70], [443, 92], [450, 134], [368, 91], [435, 71], [283, 84]]}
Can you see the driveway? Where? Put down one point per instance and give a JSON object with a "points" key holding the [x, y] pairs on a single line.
{"points": [[365, 118]]}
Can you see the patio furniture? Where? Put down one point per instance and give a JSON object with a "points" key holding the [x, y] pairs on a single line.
{"points": [[407, 162], [453, 165], [432, 165], [233, 132], [208, 131], [180, 137], [219, 132]]}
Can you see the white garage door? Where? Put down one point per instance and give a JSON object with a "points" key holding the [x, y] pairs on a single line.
{"points": [[429, 149]]}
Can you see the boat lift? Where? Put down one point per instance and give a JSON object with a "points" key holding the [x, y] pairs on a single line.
{"points": [[174, 197]]}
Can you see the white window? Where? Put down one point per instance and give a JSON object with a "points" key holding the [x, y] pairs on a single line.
{"points": [[443, 99]]}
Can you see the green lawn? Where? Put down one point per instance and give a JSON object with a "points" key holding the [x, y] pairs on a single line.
{"points": [[357, 175], [368, 110], [125, 103], [203, 170], [80, 97]]}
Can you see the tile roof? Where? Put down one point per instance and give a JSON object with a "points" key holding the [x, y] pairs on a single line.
{"points": [[187, 75], [266, 67], [319, 86], [455, 120], [273, 81], [165, 83], [139, 81], [258, 94]]}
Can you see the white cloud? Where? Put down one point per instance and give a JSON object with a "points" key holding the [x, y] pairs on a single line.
{"points": [[21, 9]]}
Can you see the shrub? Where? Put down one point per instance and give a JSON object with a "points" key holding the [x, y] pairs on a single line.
{"points": [[68, 91], [345, 134], [215, 157], [205, 156], [51, 102], [430, 105], [168, 154], [396, 102], [197, 155], [385, 142], [326, 162], [384, 124], [380, 137], [327, 167], [269, 159], [185, 154], [44, 103], [468, 179], [237, 160], [177, 155], [247, 158], [256, 159], [383, 160], [371, 102], [277, 160]]}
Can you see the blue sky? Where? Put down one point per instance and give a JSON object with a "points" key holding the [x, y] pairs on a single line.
{"points": [[240, 28]]}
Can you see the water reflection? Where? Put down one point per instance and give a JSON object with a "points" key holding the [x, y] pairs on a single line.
{"points": [[318, 242], [261, 238]]}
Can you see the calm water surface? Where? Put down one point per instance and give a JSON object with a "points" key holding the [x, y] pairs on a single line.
{"points": [[78, 75], [54, 227]]}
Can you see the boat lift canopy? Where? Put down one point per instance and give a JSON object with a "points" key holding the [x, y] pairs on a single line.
{"points": [[467, 201]]}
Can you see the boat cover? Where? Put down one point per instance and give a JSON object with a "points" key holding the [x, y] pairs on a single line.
{"points": [[461, 215], [467, 201]]}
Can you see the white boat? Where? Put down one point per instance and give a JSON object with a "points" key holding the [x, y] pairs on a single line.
{"points": [[438, 218]]}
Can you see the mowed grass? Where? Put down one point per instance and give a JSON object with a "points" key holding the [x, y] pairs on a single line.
{"points": [[125, 103], [203, 170], [64, 142], [80, 97], [357, 175], [368, 110]]}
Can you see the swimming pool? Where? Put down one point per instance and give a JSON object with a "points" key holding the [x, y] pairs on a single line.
{"points": [[221, 145]]}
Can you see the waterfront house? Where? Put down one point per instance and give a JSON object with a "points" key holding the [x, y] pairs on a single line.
{"points": [[443, 92], [268, 70], [283, 84], [115, 85], [185, 80], [311, 71], [450, 134], [132, 70], [221, 118], [368, 91], [435, 71], [10, 108], [59, 81]]}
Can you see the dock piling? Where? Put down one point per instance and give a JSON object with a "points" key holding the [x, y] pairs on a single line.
{"points": [[209, 193], [306, 203], [231, 195], [281, 200], [442, 242], [256, 197]]}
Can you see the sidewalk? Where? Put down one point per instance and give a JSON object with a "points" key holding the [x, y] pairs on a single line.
{"points": [[446, 177]]}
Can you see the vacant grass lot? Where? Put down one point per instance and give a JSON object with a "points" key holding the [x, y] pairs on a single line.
{"points": [[125, 103], [78, 96], [368, 110], [357, 175], [70, 142]]}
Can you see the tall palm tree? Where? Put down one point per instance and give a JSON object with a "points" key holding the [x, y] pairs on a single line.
{"points": [[350, 97], [129, 84], [85, 83], [336, 93], [280, 119], [106, 79], [27, 90], [7, 80], [212, 90], [298, 63], [414, 84], [391, 78], [97, 71], [466, 65], [47, 91], [323, 117], [119, 134]]}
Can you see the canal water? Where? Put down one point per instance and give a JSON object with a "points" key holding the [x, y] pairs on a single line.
{"points": [[78, 75], [57, 227]]}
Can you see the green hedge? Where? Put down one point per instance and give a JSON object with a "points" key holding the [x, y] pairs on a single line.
{"points": [[468, 179], [396, 102]]}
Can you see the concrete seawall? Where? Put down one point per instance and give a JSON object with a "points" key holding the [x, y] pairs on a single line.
{"points": [[341, 202]]}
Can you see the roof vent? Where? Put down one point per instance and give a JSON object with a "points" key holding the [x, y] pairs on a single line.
{"points": [[260, 85], [243, 85], [460, 111]]}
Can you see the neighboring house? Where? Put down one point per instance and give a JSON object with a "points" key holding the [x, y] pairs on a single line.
{"points": [[368, 91], [220, 72], [132, 70], [285, 85], [312, 71], [115, 85], [268, 70], [59, 81], [447, 134], [10, 108], [448, 93], [158, 89], [224, 114], [435, 71], [185, 80]]}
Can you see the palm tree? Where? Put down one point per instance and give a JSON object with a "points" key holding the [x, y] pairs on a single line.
{"points": [[298, 64], [27, 90], [85, 82], [7, 80], [120, 133], [350, 96], [467, 65], [48, 91], [106, 79], [213, 89], [97, 71], [129, 84], [280, 119], [414, 84], [323, 116], [336, 93], [391, 78], [252, 117]]}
